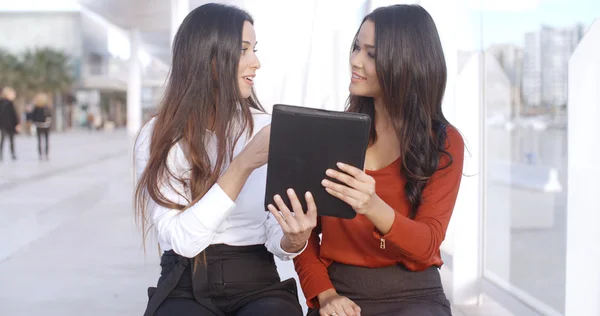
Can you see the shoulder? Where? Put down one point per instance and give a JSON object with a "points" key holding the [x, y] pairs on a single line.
{"points": [[142, 142], [453, 137], [455, 144], [260, 118]]}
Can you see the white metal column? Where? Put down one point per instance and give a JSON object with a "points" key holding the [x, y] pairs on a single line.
{"points": [[134, 85], [583, 207], [467, 217]]}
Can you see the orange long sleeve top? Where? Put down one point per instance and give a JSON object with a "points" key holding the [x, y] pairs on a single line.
{"points": [[415, 243]]}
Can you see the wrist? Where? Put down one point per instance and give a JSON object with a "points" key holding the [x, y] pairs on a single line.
{"points": [[326, 294], [291, 247], [375, 205], [241, 166]]}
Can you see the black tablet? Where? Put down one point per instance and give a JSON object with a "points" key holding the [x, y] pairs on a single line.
{"points": [[304, 143]]}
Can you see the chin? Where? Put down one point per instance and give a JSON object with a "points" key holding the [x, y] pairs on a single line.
{"points": [[245, 94], [357, 91]]}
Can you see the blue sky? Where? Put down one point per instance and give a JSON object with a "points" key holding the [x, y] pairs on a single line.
{"points": [[509, 24]]}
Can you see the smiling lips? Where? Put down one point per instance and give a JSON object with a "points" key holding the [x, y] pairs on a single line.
{"points": [[249, 79], [357, 78]]}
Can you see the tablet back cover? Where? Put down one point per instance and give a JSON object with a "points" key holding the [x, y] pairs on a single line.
{"points": [[304, 143]]}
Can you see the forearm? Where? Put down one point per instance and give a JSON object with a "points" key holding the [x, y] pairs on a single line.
{"points": [[234, 178], [416, 239], [382, 216], [312, 271], [326, 294]]}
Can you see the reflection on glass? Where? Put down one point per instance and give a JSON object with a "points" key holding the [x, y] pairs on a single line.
{"points": [[525, 65]]}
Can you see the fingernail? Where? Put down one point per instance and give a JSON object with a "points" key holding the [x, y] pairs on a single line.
{"points": [[290, 191], [329, 172], [277, 197], [308, 195], [339, 164], [324, 182]]}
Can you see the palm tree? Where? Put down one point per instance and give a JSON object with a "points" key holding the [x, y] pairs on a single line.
{"points": [[11, 74], [38, 70], [10, 69], [47, 70]]}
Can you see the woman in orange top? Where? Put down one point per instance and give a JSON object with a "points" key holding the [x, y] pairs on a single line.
{"points": [[386, 260]]}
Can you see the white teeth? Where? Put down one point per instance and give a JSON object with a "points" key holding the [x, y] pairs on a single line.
{"points": [[357, 77]]}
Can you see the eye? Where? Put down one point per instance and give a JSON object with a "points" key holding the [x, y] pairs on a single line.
{"points": [[372, 55], [244, 50], [355, 47]]}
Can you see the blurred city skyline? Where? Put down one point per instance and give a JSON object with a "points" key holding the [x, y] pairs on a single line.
{"points": [[525, 16]]}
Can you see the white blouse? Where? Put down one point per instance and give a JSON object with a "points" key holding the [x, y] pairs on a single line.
{"points": [[215, 219]]}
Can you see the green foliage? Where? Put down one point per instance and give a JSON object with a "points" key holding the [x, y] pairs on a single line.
{"points": [[36, 70]]}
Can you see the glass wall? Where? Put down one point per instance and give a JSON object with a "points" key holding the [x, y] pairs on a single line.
{"points": [[526, 46]]}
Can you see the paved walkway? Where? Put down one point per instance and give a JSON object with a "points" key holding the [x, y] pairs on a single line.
{"points": [[68, 244]]}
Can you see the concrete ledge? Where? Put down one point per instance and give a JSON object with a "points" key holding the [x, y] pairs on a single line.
{"points": [[533, 177]]}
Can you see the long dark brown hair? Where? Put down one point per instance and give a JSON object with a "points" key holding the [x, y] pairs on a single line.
{"points": [[411, 69], [202, 96]]}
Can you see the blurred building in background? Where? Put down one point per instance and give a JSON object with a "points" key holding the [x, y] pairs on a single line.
{"points": [[97, 54], [546, 56]]}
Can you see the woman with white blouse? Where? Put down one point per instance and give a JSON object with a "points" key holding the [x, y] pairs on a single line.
{"points": [[200, 168]]}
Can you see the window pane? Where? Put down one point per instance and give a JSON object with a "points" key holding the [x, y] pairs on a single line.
{"points": [[527, 46]]}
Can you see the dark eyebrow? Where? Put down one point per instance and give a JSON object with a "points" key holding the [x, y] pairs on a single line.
{"points": [[366, 45]]}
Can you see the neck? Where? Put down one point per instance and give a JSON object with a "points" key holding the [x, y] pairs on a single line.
{"points": [[383, 121]]}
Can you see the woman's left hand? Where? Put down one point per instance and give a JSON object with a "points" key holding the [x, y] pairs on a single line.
{"points": [[358, 191], [297, 225]]}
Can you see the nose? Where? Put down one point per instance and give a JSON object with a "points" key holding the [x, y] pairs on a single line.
{"points": [[255, 62], [356, 60]]}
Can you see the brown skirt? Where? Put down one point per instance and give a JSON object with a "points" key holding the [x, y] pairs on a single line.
{"points": [[391, 291]]}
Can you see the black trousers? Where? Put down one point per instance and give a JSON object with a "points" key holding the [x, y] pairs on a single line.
{"points": [[11, 139], [42, 132], [231, 281], [390, 291]]}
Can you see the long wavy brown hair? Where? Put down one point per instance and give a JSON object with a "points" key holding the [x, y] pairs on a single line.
{"points": [[202, 98], [412, 74]]}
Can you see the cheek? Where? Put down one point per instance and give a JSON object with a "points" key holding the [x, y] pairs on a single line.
{"points": [[240, 68], [372, 73], [371, 70], [245, 90], [243, 64]]}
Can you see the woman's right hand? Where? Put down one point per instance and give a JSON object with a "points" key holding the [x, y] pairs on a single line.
{"points": [[256, 152], [333, 304]]}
